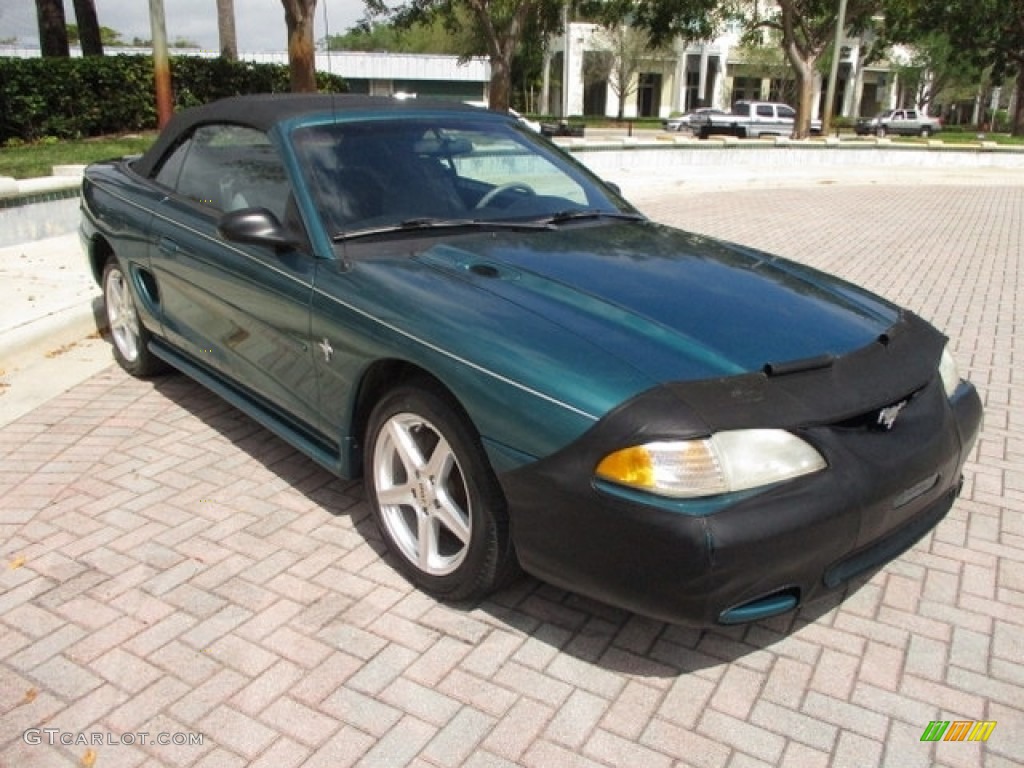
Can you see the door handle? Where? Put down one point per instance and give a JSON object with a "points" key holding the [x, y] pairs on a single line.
{"points": [[167, 246]]}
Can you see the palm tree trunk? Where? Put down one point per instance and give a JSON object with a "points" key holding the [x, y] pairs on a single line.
{"points": [[298, 16], [226, 29], [88, 28], [53, 30]]}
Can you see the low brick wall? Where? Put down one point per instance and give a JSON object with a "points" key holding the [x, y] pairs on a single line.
{"points": [[664, 157]]}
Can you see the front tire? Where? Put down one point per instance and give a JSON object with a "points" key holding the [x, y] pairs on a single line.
{"points": [[129, 336], [434, 496]]}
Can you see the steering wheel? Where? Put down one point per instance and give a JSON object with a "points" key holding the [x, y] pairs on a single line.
{"points": [[519, 186]]}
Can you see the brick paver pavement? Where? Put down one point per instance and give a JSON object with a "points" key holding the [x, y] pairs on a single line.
{"points": [[169, 567]]}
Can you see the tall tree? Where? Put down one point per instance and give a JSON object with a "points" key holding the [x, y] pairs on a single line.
{"points": [[298, 17], [626, 49], [807, 28], [226, 29], [498, 27], [89, 33], [932, 70], [989, 33], [53, 33]]}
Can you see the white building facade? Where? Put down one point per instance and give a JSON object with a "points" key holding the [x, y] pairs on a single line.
{"points": [[688, 76]]}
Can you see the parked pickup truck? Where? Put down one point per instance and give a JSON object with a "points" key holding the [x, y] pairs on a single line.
{"points": [[903, 122], [749, 119]]}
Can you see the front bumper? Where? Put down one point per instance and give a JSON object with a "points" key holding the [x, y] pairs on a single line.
{"points": [[760, 554]]}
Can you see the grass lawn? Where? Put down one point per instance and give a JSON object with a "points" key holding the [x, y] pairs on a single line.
{"points": [[973, 137], [34, 160]]}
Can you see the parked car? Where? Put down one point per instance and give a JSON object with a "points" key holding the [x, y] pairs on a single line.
{"points": [[902, 122], [680, 123], [524, 369], [749, 120], [563, 128], [533, 125]]}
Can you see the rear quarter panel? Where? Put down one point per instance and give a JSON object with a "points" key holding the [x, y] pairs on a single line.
{"points": [[117, 212]]}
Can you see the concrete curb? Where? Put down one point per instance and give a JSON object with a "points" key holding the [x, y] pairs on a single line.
{"points": [[46, 335]]}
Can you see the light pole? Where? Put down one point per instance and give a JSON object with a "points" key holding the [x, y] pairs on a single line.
{"points": [[565, 62], [161, 64], [833, 75]]}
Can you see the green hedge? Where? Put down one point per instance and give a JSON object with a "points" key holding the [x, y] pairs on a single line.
{"points": [[70, 98]]}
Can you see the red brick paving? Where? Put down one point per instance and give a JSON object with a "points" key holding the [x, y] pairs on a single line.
{"points": [[170, 567]]}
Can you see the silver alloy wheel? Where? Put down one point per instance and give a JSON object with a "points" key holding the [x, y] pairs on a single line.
{"points": [[121, 316], [423, 497]]}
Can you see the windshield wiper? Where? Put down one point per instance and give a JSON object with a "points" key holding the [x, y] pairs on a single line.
{"points": [[576, 214], [426, 223]]}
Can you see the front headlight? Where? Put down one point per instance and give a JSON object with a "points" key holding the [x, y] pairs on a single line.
{"points": [[725, 462], [948, 372]]}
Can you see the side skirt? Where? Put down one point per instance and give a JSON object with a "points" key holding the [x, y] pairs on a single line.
{"points": [[262, 413]]}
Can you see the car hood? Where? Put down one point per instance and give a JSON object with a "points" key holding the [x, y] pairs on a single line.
{"points": [[672, 305]]}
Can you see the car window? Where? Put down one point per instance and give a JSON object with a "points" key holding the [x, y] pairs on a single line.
{"points": [[169, 170], [741, 109], [495, 160], [227, 167], [375, 174], [787, 112], [765, 110]]}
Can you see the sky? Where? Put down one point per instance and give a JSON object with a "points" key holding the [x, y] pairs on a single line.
{"points": [[259, 24]]}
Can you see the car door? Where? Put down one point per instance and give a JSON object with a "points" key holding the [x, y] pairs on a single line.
{"points": [[786, 119], [240, 312], [898, 122], [763, 120]]}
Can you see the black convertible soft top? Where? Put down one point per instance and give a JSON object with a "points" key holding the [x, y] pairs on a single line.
{"points": [[264, 110]]}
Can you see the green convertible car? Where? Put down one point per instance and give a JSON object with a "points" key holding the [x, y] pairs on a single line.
{"points": [[526, 371]]}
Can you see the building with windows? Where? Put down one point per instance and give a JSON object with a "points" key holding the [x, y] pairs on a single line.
{"points": [[691, 75]]}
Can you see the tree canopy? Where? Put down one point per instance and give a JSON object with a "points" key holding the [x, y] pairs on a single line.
{"points": [[987, 33], [423, 37], [496, 29]]}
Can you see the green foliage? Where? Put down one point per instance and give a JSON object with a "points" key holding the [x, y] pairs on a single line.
{"points": [[988, 34], [664, 20], [71, 98], [495, 28], [422, 37]]}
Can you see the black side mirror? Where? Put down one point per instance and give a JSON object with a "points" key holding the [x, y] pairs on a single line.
{"points": [[257, 226]]}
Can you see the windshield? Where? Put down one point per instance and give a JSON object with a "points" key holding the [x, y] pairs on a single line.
{"points": [[378, 174]]}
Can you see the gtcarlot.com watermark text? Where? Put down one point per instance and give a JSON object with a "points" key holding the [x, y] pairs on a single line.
{"points": [[56, 737]]}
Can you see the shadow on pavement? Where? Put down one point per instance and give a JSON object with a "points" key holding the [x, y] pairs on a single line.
{"points": [[590, 631]]}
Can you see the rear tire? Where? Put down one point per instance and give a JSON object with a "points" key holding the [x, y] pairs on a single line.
{"points": [[434, 496], [128, 335]]}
